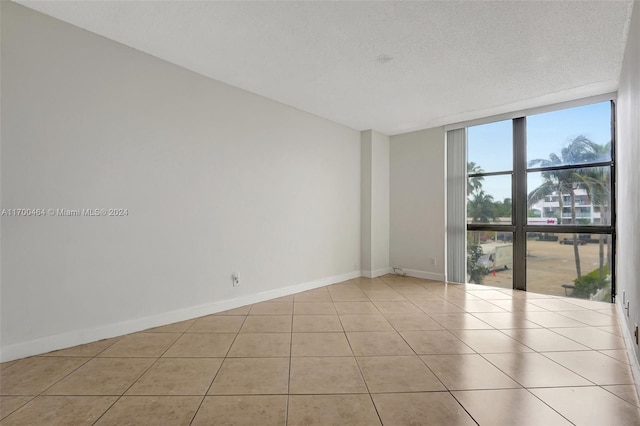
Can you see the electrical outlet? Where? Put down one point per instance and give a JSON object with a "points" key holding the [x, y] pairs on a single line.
{"points": [[356, 267], [432, 261], [235, 279]]}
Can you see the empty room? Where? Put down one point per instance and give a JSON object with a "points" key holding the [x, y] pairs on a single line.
{"points": [[319, 213]]}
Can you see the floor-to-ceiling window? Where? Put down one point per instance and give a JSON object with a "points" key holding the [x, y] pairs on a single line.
{"points": [[540, 209], [490, 225]]}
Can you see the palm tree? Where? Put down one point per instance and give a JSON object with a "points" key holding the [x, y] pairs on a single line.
{"points": [[481, 208], [598, 185], [503, 208], [559, 182], [475, 182]]}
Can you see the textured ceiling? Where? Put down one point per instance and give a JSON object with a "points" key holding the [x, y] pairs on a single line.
{"points": [[390, 66]]}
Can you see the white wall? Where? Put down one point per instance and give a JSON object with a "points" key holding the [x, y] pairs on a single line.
{"points": [[628, 180], [215, 180], [417, 221], [374, 203]]}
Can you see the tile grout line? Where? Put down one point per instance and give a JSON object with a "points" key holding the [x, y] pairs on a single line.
{"points": [[31, 398], [432, 372], [65, 376], [575, 372], [550, 407], [204, 396], [89, 358], [635, 404], [522, 386], [464, 408], [143, 373], [361, 373], [286, 410]]}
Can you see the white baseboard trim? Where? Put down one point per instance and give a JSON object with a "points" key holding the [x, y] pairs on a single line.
{"points": [[376, 273], [79, 337], [629, 343], [424, 274]]}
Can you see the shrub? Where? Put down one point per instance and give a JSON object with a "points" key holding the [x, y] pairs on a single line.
{"points": [[476, 272], [590, 283]]}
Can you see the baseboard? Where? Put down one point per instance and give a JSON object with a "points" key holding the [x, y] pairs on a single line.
{"points": [[424, 274], [629, 343], [376, 273], [79, 337]]}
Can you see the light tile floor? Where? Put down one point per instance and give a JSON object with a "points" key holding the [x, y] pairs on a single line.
{"points": [[392, 351]]}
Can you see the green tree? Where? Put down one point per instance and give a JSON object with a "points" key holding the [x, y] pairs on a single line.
{"points": [[503, 208], [560, 182], [597, 181], [474, 183], [476, 271], [480, 207], [533, 213]]}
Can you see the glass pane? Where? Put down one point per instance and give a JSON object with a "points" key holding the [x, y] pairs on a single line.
{"points": [[570, 136], [490, 258], [489, 199], [490, 148], [554, 264], [567, 197]]}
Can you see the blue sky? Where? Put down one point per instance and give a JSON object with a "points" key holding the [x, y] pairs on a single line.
{"points": [[490, 146]]}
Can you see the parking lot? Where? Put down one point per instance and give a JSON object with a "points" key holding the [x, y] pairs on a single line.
{"points": [[549, 265]]}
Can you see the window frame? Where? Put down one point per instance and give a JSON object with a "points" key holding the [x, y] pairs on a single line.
{"points": [[519, 193]]}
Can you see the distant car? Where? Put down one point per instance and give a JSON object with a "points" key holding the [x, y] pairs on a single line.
{"points": [[571, 241]]}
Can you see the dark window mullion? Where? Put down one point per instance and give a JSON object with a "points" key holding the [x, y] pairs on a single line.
{"points": [[519, 189], [570, 229], [490, 227], [612, 201], [570, 167], [489, 174]]}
